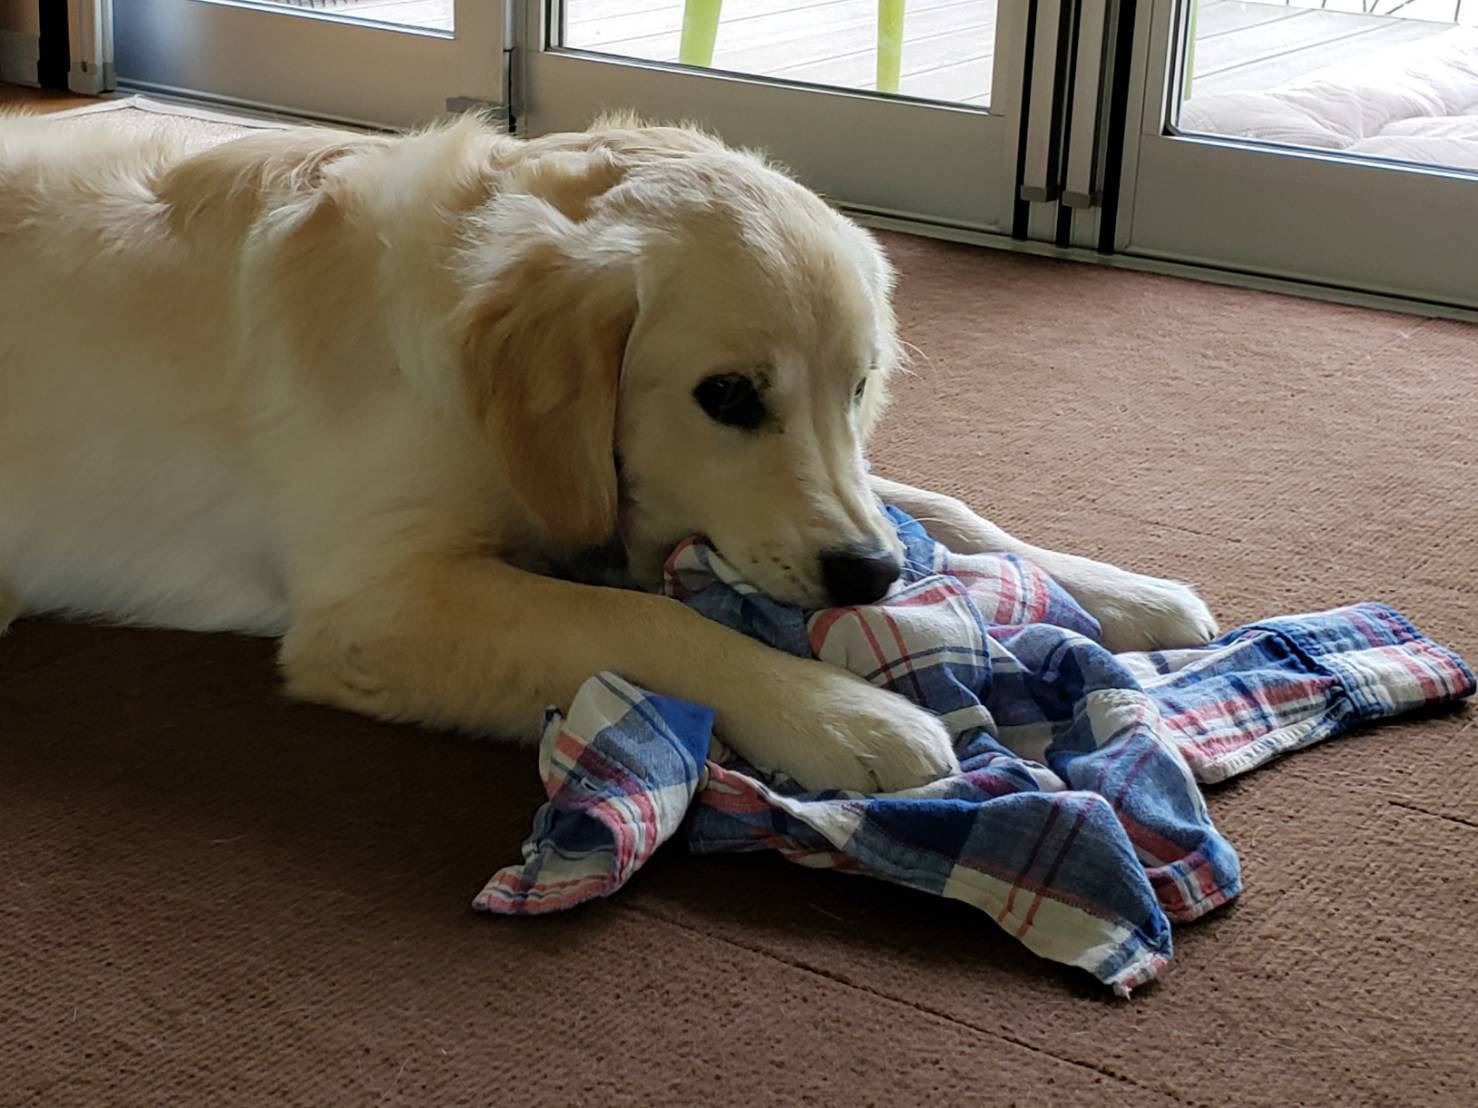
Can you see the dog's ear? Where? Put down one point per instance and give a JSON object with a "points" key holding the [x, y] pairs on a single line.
{"points": [[543, 349]]}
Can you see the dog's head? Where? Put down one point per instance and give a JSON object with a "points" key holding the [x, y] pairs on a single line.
{"points": [[665, 338]]}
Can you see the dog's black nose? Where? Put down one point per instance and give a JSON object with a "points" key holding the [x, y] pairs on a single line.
{"points": [[858, 574]]}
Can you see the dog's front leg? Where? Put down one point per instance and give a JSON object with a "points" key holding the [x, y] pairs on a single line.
{"points": [[1136, 612], [476, 644]]}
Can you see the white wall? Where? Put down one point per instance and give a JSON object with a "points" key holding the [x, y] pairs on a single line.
{"points": [[19, 15], [20, 30]]}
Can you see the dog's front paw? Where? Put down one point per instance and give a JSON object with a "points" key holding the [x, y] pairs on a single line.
{"points": [[831, 730], [1144, 613]]}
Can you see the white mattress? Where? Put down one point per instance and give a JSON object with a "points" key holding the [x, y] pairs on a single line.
{"points": [[1417, 102]]}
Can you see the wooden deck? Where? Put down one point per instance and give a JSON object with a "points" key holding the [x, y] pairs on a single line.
{"points": [[949, 45], [432, 15], [1244, 46]]}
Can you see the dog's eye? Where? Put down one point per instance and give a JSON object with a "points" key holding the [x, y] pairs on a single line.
{"points": [[859, 390], [732, 399]]}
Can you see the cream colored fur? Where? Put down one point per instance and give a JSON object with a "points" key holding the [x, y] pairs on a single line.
{"points": [[366, 393]]}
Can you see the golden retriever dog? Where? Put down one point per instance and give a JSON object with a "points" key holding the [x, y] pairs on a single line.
{"points": [[428, 407]]}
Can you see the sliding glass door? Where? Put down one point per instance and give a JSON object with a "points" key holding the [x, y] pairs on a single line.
{"points": [[381, 62], [1331, 141], [904, 109]]}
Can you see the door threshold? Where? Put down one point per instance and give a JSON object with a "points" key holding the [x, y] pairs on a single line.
{"points": [[250, 109]]}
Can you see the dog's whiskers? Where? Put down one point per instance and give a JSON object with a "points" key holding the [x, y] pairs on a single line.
{"points": [[913, 352]]}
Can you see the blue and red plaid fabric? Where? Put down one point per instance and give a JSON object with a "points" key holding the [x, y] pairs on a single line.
{"points": [[1076, 822]]}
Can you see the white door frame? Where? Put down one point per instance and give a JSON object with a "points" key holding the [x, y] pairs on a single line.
{"points": [[90, 42]]}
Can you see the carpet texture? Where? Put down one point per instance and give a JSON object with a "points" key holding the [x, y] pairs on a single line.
{"points": [[211, 895]]}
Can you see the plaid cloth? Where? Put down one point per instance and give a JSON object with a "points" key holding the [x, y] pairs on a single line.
{"points": [[1076, 821]]}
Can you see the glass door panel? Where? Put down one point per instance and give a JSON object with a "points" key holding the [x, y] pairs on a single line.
{"points": [[1393, 79], [927, 49], [1334, 143]]}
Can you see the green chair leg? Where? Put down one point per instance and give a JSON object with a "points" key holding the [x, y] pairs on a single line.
{"points": [[700, 29], [890, 44]]}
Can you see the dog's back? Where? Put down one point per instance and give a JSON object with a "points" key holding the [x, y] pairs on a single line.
{"points": [[120, 490]]}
